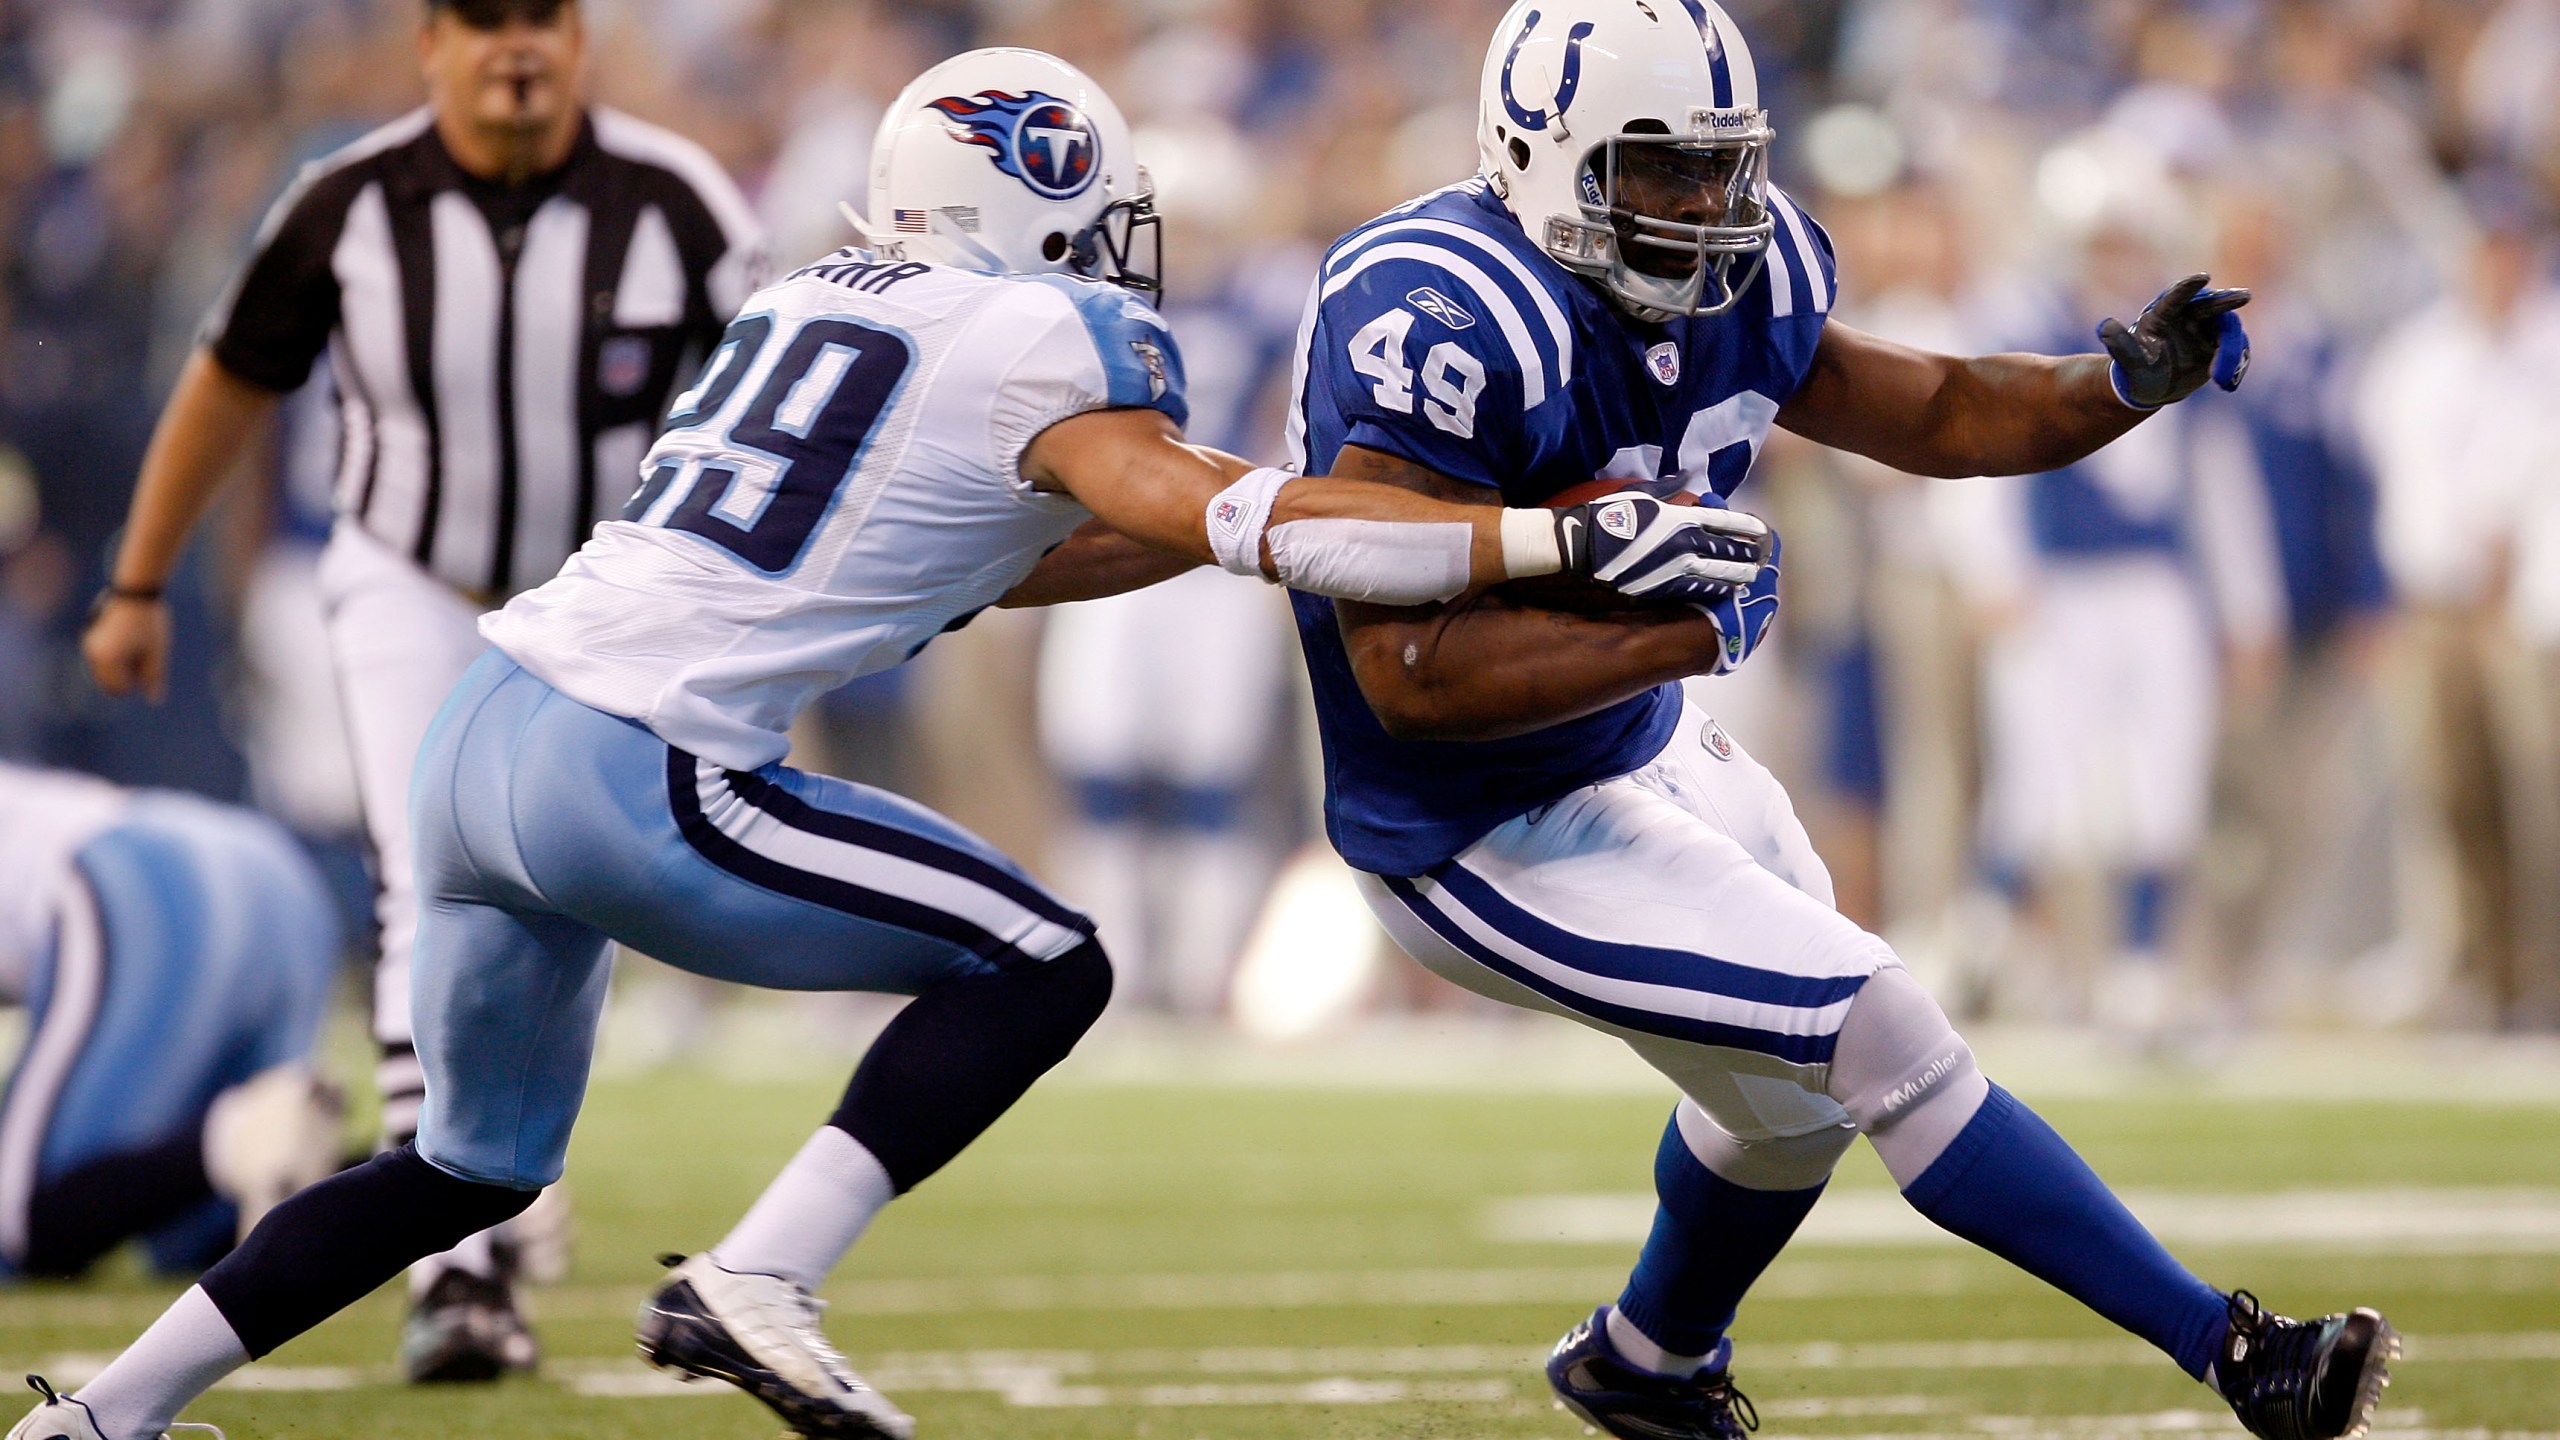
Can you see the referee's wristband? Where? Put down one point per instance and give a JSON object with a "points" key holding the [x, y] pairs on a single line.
{"points": [[140, 594]]}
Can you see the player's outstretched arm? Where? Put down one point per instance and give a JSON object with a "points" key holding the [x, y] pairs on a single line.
{"points": [[1950, 416], [1346, 538], [212, 417], [1093, 562]]}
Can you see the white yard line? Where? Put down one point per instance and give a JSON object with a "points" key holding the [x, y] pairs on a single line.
{"points": [[2395, 1220]]}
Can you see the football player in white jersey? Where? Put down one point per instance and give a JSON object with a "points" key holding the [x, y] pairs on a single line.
{"points": [[885, 443]]}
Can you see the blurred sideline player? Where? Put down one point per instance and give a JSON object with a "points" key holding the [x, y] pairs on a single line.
{"points": [[1165, 713], [506, 283], [1539, 817], [882, 445], [2112, 592], [175, 958]]}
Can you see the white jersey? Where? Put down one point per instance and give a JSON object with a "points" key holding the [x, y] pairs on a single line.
{"points": [[45, 817], [842, 485]]}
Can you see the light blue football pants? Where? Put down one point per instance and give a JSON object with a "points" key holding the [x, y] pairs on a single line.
{"points": [[545, 829]]}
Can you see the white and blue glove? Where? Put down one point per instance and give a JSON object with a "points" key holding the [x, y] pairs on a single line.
{"points": [[1644, 547], [2184, 337], [1742, 616]]}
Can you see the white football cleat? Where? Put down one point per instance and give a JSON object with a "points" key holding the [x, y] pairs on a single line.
{"points": [[62, 1418], [271, 1135], [760, 1333]]}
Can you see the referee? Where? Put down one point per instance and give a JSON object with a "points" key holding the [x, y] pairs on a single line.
{"points": [[507, 284]]}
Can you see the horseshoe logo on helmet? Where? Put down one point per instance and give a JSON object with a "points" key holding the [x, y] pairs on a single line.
{"points": [[1569, 82]]}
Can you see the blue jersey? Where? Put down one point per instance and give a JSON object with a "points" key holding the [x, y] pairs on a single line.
{"points": [[1442, 334]]}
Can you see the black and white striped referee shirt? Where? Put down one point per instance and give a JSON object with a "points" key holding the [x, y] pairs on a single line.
{"points": [[502, 354]]}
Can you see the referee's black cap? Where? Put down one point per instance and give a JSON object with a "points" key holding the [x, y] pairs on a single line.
{"points": [[490, 14]]}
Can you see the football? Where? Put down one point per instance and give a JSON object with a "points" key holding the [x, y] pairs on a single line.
{"points": [[1590, 490]]}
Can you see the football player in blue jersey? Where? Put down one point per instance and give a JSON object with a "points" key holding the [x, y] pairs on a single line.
{"points": [[1540, 815]]}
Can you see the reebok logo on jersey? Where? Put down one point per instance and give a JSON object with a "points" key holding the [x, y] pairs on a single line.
{"points": [[1151, 355], [1440, 307], [1619, 520], [1664, 361]]}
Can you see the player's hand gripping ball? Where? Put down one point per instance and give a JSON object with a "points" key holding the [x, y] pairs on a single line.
{"points": [[1643, 547], [1742, 616], [2184, 337]]}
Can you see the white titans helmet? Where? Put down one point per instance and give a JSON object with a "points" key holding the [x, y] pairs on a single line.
{"points": [[1012, 161], [1628, 137]]}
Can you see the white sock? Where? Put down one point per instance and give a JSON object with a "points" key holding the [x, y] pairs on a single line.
{"points": [[1637, 1349], [811, 1214], [179, 1358]]}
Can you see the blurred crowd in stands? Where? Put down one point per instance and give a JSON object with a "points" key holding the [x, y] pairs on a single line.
{"points": [[2254, 719]]}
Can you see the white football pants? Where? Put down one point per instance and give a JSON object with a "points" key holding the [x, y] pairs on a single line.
{"points": [[1680, 908]]}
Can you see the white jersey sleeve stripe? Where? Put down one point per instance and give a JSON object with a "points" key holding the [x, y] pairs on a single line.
{"points": [[1534, 381], [1781, 276], [1553, 314], [1294, 437], [1807, 253]]}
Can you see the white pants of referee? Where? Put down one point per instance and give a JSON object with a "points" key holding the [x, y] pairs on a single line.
{"points": [[1682, 909], [399, 639]]}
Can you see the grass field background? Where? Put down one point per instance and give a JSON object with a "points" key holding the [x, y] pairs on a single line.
{"points": [[1175, 1239]]}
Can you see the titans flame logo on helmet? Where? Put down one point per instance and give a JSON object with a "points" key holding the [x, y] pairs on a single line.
{"points": [[1038, 139]]}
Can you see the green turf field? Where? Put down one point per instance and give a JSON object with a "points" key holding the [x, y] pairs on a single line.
{"points": [[1222, 1259]]}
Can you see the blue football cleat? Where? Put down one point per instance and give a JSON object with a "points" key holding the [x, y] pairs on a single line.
{"points": [[1634, 1403]]}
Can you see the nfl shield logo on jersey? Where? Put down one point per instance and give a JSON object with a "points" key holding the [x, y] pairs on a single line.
{"points": [[1718, 743], [1664, 361]]}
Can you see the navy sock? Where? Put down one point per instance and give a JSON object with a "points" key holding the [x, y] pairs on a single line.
{"points": [[1711, 1239], [961, 1053], [2009, 1184], [329, 1246]]}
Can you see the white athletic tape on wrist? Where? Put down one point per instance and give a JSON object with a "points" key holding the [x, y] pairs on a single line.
{"points": [[1385, 562], [1529, 544], [1237, 516]]}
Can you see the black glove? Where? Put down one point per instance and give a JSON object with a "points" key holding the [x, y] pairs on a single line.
{"points": [[2186, 336], [1639, 545]]}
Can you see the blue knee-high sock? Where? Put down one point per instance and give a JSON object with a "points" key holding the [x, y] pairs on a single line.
{"points": [[2009, 1184], [1711, 1238]]}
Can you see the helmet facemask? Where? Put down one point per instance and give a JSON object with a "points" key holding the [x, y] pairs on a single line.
{"points": [[1673, 226], [1125, 243]]}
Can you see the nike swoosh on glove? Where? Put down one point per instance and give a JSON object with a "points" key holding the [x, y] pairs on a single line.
{"points": [[1641, 546], [2187, 335], [1743, 615]]}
